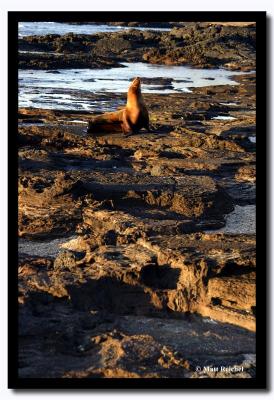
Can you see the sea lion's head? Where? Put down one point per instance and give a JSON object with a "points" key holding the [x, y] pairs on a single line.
{"points": [[135, 85]]}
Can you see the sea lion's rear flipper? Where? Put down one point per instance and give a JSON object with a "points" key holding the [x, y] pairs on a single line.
{"points": [[104, 123]]}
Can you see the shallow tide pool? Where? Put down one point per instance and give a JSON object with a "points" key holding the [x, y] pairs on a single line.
{"points": [[70, 89], [42, 248], [242, 220]]}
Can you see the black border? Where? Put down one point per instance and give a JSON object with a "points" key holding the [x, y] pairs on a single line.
{"points": [[261, 381]]}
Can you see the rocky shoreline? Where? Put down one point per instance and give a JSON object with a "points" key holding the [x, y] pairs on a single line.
{"points": [[197, 44], [143, 282]]}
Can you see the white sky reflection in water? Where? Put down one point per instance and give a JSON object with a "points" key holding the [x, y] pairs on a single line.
{"points": [[44, 89], [224, 118], [60, 28]]}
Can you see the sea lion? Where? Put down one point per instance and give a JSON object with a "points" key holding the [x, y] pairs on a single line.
{"points": [[130, 119], [135, 115]]}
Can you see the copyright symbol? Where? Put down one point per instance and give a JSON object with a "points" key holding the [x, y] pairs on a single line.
{"points": [[198, 369]]}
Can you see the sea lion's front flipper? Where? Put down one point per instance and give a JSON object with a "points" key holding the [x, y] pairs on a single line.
{"points": [[126, 124]]}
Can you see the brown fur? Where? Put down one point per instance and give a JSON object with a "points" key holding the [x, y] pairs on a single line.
{"points": [[130, 119]]}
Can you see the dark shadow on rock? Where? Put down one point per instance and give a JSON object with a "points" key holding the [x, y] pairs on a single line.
{"points": [[234, 269], [160, 277], [35, 165], [70, 162], [111, 295]]}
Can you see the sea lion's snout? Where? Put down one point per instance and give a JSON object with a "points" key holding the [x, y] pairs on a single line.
{"points": [[136, 82]]}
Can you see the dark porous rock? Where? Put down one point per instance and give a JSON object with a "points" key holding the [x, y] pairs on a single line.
{"points": [[115, 45], [157, 81], [48, 205], [53, 61], [53, 72], [67, 259]]}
